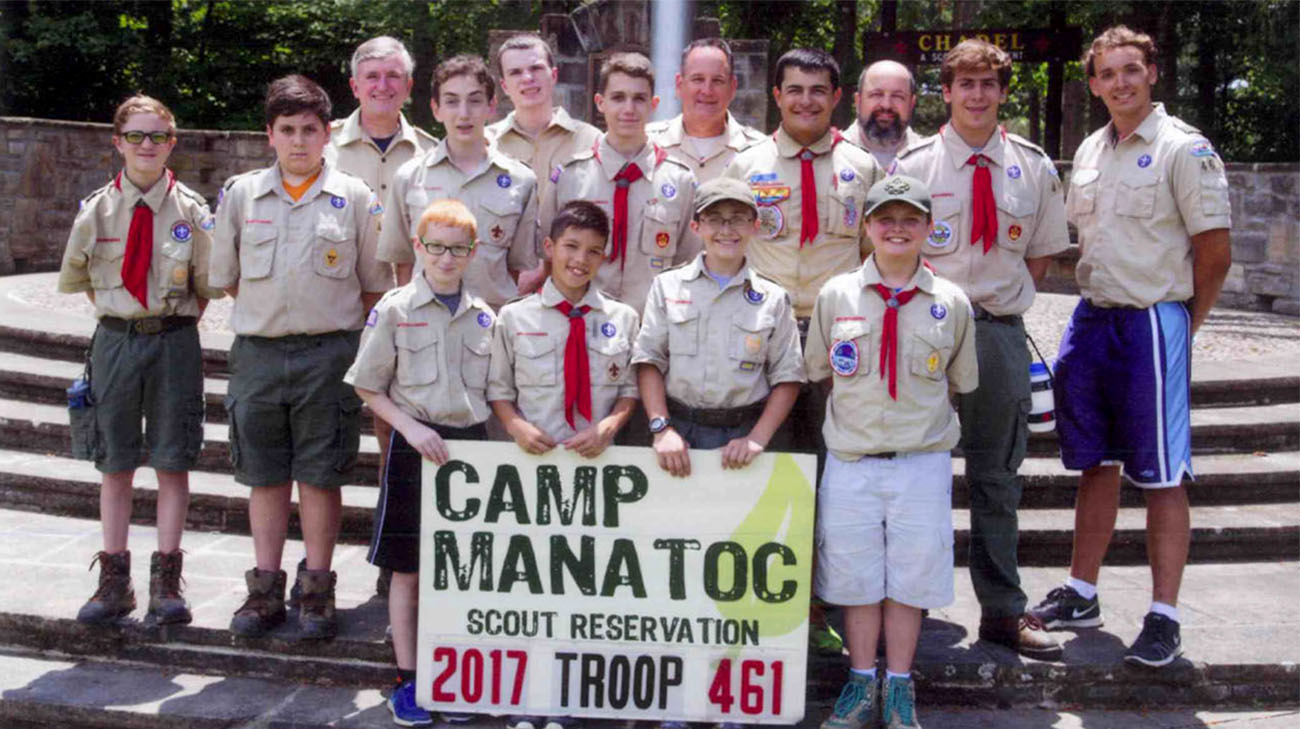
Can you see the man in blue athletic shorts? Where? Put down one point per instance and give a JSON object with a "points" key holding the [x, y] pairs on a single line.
{"points": [[1150, 199]]}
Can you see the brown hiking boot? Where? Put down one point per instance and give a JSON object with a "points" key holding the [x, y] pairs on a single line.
{"points": [[166, 606], [114, 599], [264, 608], [1022, 634], [316, 619]]}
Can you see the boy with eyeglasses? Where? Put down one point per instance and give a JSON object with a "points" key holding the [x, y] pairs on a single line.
{"points": [[295, 246], [718, 358], [422, 367], [139, 250], [499, 191]]}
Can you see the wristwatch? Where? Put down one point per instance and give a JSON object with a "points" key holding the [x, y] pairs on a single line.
{"points": [[658, 425]]}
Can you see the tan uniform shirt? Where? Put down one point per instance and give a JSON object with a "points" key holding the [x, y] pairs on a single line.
{"points": [[670, 134], [719, 348], [502, 195], [1137, 204], [353, 151], [935, 357], [1031, 215], [659, 209], [432, 363], [182, 243], [528, 358], [301, 267], [884, 157], [560, 140], [844, 174]]}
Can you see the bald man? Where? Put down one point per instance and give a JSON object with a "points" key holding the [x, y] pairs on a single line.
{"points": [[885, 99]]}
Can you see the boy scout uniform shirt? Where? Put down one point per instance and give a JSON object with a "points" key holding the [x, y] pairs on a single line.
{"points": [[560, 140], [844, 174], [527, 365], [855, 135], [670, 134], [501, 194], [432, 363], [1137, 204], [659, 209], [178, 271], [301, 267], [719, 348], [1031, 215], [935, 357], [353, 151]]}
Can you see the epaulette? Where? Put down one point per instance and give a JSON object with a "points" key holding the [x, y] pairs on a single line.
{"points": [[764, 278], [427, 136], [921, 144], [521, 297], [185, 190], [657, 127], [752, 134], [337, 124], [230, 181], [674, 268], [1183, 126], [677, 162], [94, 194], [1026, 143], [579, 156]]}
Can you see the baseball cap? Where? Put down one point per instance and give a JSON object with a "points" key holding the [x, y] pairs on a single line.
{"points": [[898, 188], [723, 188]]}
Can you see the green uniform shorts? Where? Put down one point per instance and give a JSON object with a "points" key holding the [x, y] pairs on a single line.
{"points": [[292, 418]]}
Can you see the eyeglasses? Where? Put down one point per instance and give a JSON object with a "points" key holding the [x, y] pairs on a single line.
{"points": [[437, 249], [138, 137], [736, 222]]}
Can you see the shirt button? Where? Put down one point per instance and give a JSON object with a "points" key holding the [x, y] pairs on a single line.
{"points": [[383, 187]]}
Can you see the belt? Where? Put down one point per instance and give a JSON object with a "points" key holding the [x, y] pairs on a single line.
{"points": [[148, 325], [983, 314], [886, 455], [716, 417]]}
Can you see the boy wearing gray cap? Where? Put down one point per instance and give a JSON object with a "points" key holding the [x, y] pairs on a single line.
{"points": [[895, 341], [718, 360]]}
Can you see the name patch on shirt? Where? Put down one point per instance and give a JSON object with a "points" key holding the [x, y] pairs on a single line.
{"points": [[844, 358], [412, 324], [941, 235], [181, 232]]}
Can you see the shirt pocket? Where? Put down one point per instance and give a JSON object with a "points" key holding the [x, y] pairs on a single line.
{"points": [[659, 226], [931, 349], [174, 273], [417, 356], [683, 331], [417, 199], [333, 255], [751, 335], [1082, 199], [474, 361], [609, 360], [851, 348], [105, 267], [499, 219], [844, 216], [257, 252], [535, 363], [1136, 196], [1015, 220], [945, 235]]}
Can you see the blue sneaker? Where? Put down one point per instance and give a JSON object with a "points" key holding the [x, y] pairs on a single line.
{"points": [[405, 711], [1159, 643]]}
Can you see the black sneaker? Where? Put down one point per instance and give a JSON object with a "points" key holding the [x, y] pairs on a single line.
{"points": [[1157, 645], [1065, 608]]}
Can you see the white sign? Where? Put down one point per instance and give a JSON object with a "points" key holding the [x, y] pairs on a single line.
{"points": [[561, 586]]}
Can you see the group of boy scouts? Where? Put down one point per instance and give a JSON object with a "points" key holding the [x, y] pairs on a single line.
{"points": [[859, 295]]}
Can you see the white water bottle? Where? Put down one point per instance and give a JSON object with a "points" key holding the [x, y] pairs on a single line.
{"points": [[1042, 411]]}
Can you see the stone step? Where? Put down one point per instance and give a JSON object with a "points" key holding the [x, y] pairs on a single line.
{"points": [[1221, 533], [1240, 646]]}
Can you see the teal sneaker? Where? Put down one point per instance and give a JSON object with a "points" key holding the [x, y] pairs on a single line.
{"points": [[900, 704], [405, 711], [857, 705]]}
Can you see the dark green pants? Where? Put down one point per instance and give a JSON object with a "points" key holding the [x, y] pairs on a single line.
{"points": [[994, 431]]}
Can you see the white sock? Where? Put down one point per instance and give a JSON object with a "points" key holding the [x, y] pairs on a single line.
{"points": [[868, 672], [1165, 609], [1086, 590], [891, 674]]}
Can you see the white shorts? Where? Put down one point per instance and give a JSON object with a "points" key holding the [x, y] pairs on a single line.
{"points": [[884, 529]]}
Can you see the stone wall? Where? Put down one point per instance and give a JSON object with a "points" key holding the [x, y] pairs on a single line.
{"points": [[47, 167]]}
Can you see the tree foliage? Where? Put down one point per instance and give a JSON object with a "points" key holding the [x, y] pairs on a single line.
{"points": [[1231, 68]]}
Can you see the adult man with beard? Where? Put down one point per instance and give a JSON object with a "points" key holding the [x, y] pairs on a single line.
{"points": [[885, 100]]}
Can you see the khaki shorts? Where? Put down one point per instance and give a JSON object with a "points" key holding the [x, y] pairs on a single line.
{"points": [[292, 418], [157, 378], [884, 530]]}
